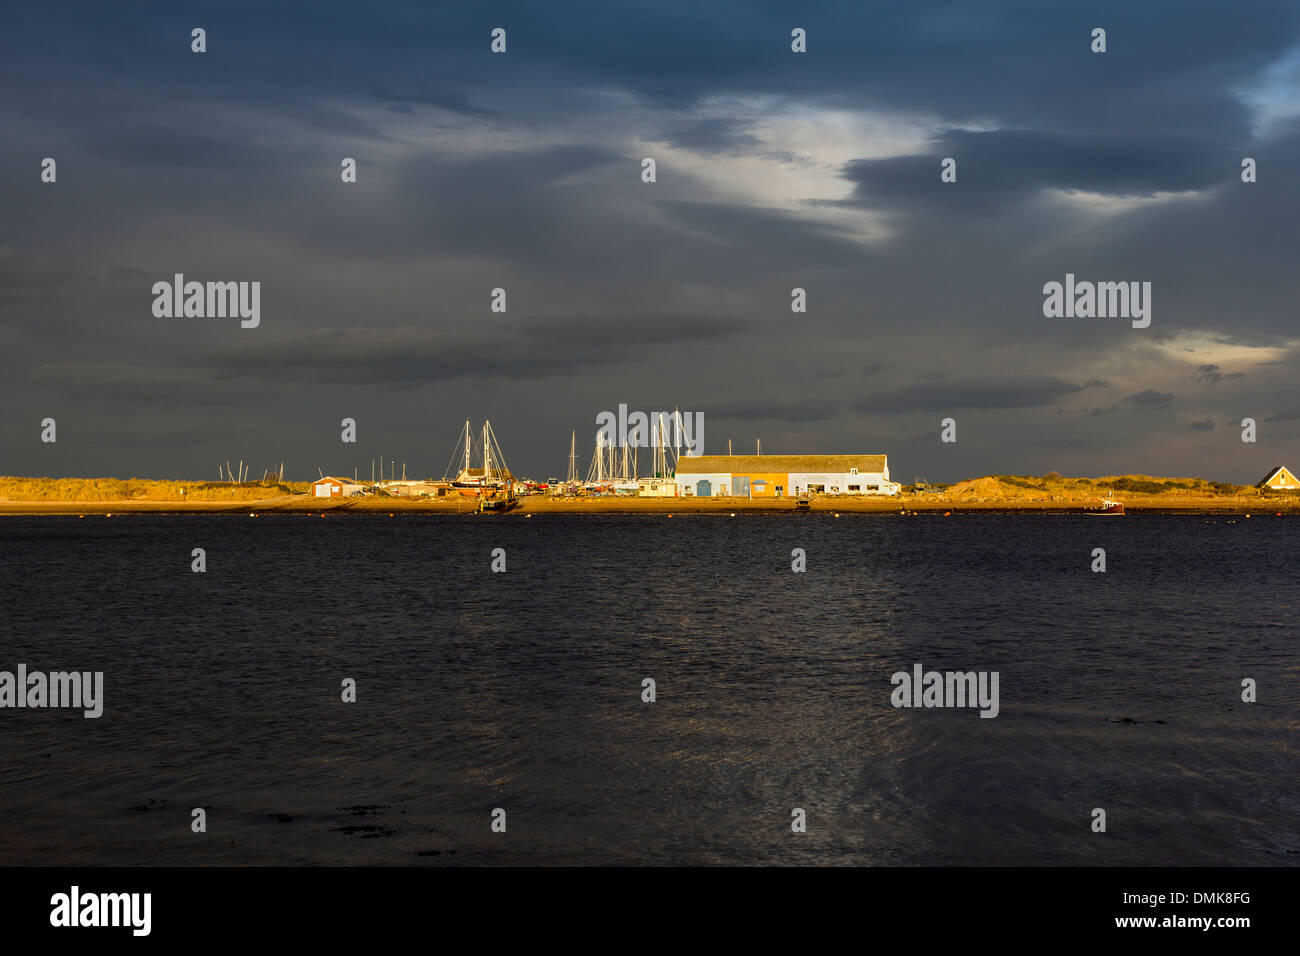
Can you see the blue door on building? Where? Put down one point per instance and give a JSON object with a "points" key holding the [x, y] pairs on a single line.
{"points": [[704, 488]]}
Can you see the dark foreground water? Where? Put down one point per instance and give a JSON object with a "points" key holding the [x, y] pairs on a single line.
{"points": [[522, 690]]}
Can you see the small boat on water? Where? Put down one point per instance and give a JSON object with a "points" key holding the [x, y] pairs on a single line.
{"points": [[1108, 506]]}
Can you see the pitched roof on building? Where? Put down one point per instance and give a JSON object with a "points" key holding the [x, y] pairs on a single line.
{"points": [[1273, 474], [798, 464]]}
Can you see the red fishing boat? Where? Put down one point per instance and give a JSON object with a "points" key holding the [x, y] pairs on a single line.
{"points": [[1108, 506]]}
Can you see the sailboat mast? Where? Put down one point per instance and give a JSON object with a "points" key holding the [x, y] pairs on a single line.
{"points": [[659, 469], [677, 435]]}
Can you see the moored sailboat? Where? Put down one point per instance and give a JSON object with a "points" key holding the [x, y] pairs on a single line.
{"points": [[484, 472]]}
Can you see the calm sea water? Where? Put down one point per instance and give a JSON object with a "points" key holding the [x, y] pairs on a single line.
{"points": [[522, 690]]}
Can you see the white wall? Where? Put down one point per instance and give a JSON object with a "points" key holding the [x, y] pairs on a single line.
{"points": [[799, 482], [657, 488], [686, 482]]}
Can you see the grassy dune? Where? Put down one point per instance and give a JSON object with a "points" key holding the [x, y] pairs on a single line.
{"points": [[143, 489], [1053, 487]]}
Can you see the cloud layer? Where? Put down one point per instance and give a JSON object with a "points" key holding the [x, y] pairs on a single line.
{"points": [[774, 171]]}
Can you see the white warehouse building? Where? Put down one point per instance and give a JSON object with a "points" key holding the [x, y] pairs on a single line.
{"points": [[780, 476]]}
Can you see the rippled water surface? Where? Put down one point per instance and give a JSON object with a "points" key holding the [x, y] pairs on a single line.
{"points": [[522, 690]]}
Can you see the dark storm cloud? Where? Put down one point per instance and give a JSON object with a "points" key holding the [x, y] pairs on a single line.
{"points": [[773, 410], [1013, 391], [146, 432], [665, 329], [1193, 251], [1213, 375], [1169, 64], [412, 356], [533, 207], [1151, 399], [132, 384], [331, 120], [1007, 166], [393, 356], [423, 92], [140, 144], [523, 171], [713, 134], [570, 211], [765, 239], [1207, 425], [24, 274]]}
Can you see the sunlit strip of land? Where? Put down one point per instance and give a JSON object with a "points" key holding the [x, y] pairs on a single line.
{"points": [[993, 493]]}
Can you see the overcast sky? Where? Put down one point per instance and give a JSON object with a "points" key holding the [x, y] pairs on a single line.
{"points": [[775, 170]]}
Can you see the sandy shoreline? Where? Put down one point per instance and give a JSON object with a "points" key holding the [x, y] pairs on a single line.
{"points": [[306, 505]]}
